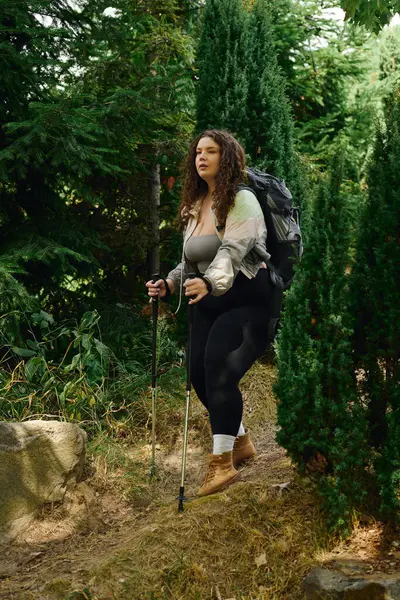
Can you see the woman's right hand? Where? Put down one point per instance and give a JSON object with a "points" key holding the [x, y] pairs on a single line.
{"points": [[158, 289]]}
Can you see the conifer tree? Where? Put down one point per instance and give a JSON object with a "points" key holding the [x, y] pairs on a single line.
{"points": [[374, 14], [322, 424], [75, 135], [41, 138], [241, 87], [222, 85], [375, 296], [269, 132]]}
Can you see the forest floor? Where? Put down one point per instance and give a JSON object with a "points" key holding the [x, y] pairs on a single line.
{"points": [[119, 535]]}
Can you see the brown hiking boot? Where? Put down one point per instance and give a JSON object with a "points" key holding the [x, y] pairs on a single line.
{"points": [[220, 474], [243, 449]]}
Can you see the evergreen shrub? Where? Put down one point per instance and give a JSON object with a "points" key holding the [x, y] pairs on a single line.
{"points": [[241, 88], [222, 87], [321, 418], [375, 306]]}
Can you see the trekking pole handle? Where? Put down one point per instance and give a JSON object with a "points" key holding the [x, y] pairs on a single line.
{"points": [[155, 277]]}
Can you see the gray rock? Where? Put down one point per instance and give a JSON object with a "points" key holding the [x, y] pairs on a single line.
{"points": [[393, 587], [39, 462], [382, 587], [322, 584], [349, 566], [366, 590]]}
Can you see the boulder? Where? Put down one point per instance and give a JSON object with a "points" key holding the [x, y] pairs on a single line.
{"points": [[322, 584], [375, 587], [366, 590], [392, 586], [39, 462]]}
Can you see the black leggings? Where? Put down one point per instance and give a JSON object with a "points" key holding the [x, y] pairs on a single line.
{"points": [[229, 334]]}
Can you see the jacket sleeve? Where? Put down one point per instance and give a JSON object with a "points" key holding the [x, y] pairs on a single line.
{"points": [[178, 275], [244, 227]]}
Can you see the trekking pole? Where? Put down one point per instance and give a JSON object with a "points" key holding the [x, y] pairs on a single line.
{"points": [[154, 305], [181, 496]]}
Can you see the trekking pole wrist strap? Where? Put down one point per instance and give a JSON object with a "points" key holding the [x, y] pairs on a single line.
{"points": [[167, 291], [208, 284]]}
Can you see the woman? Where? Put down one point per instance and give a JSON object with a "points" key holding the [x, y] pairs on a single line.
{"points": [[224, 244]]}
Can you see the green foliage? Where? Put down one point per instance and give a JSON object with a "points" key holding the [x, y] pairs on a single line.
{"points": [[92, 99], [325, 108], [14, 303], [90, 102], [241, 87], [269, 135], [389, 59], [322, 423], [301, 29], [330, 104], [375, 305], [222, 85], [374, 14], [330, 69], [40, 385], [89, 384]]}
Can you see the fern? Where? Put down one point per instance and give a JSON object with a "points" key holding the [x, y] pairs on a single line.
{"points": [[15, 303]]}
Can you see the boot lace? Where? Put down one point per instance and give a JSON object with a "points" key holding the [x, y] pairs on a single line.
{"points": [[210, 473]]}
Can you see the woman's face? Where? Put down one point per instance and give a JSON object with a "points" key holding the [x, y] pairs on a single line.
{"points": [[208, 157]]}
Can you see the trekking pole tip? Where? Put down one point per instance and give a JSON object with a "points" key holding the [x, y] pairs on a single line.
{"points": [[181, 499]]}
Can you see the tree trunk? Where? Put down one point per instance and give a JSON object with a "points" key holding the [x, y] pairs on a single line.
{"points": [[154, 228]]}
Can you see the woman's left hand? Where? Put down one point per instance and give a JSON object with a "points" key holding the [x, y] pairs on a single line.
{"points": [[195, 287]]}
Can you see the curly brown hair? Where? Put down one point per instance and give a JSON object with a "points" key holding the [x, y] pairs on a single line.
{"points": [[232, 172]]}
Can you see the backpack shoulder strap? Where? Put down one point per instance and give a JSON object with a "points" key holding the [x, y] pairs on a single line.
{"points": [[243, 186]]}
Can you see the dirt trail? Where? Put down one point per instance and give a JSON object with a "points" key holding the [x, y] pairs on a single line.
{"points": [[61, 546], [62, 549], [119, 536]]}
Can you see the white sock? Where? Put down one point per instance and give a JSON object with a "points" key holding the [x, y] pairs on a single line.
{"points": [[223, 443], [242, 430]]}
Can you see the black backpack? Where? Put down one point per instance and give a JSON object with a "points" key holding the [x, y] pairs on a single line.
{"points": [[284, 242]]}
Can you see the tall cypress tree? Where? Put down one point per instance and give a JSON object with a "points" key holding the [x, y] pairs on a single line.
{"points": [[242, 89], [376, 304], [269, 135], [322, 424], [222, 85], [270, 127]]}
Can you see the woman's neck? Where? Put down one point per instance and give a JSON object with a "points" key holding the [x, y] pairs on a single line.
{"points": [[211, 187], [207, 200], [208, 197]]}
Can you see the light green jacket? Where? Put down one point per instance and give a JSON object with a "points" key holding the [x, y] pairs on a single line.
{"points": [[242, 245]]}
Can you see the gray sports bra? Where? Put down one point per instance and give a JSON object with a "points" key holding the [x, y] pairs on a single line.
{"points": [[200, 250]]}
